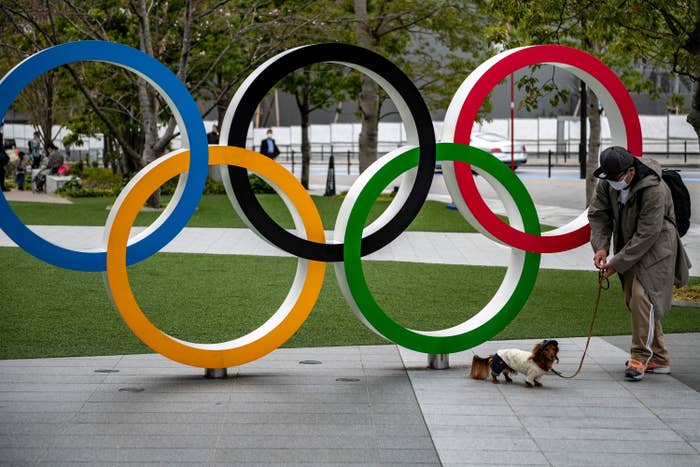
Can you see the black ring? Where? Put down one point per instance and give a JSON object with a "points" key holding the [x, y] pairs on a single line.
{"points": [[263, 79]]}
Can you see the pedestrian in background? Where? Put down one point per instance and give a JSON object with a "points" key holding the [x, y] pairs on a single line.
{"points": [[4, 160], [35, 150], [20, 171], [213, 135], [632, 205], [268, 146], [56, 159]]}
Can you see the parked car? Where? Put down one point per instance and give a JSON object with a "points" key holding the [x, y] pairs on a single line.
{"points": [[497, 145], [500, 146]]}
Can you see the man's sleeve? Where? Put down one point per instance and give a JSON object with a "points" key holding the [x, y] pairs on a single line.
{"points": [[600, 218]]}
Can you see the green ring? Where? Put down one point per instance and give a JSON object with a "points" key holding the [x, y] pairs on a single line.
{"points": [[429, 342]]}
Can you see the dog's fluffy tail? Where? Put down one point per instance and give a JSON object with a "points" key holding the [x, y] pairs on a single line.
{"points": [[480, 367]]}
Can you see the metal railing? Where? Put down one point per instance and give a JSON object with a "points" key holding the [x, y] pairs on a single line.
{"points": [[683, 152], [679, 151]]}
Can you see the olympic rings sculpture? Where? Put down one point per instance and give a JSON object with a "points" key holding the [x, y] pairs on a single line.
{"points": [[352, 240]]}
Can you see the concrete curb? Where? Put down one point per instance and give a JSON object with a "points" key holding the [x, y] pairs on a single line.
{"points": [[686, 304]]}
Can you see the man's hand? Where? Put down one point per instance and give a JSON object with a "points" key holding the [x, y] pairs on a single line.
{"points": [[609, 270], [600, 259]]}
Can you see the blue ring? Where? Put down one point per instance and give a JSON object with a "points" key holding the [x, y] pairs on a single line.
{"points": [[160, 77]]}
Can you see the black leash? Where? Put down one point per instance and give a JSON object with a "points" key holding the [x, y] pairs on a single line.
{"points": [[601, 287]]}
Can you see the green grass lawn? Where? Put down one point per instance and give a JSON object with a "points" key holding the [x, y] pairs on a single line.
{"points": [[216, 211], [51, 312]]}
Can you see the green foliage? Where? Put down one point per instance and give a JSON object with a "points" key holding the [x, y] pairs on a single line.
{"points": [[211, 46], [535, 90], [77, 168], [91, 182], [676, 102], [100, 178], [259, 185], [79, 192], [72, 184], [210, 187], [634, 38], [661, 34], [214, 188], [624, 35], [689, 293]]}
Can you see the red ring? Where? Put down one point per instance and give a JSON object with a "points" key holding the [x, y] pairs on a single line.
{"points": [[553, 54]]}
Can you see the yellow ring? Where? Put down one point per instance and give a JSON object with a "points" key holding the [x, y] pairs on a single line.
{"points": [[277, 329]]}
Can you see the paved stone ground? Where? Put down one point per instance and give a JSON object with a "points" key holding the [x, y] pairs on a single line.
{"points": [[356, 406], [370, 405], [684, 350], [596, 419]]}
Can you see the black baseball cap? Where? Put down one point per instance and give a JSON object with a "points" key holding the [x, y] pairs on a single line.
{"points": [[613, 161]]}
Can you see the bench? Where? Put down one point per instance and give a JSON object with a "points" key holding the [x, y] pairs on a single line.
{"points": [[54, 182]]}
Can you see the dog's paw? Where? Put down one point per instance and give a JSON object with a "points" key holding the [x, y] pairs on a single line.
{"points": [[528, 385], [538, 384]]}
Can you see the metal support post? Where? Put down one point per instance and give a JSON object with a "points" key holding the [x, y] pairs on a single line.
{"points": [[330, 179], [216, 373], [668, 134], [439, 361], [584, 137]]}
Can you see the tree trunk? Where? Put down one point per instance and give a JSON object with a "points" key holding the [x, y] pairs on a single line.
{"points": [[303, 99], [369, 96], [147, 101], [593, 144], [369, 107], [221, 105], [155, 145], [693, 46], [46, 115]]}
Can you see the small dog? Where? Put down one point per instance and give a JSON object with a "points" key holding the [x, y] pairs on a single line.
{"points": [[511, 361]]}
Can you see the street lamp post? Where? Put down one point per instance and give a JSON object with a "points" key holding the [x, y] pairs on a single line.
{"points": [[584, 137]]}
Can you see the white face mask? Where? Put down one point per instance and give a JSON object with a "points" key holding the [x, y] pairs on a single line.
{"points": [[621, 185]]}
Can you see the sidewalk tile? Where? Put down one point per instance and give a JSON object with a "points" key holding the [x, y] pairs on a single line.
{"points": [[396, 413]]}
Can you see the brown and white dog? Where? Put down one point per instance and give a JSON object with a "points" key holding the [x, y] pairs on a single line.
{"points": [[510, 361]]}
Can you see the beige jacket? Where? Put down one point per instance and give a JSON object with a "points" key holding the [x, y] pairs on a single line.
{"points": [[646, 242]]}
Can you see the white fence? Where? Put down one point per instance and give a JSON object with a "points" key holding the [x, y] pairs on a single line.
{"points": [[662, 134]]}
